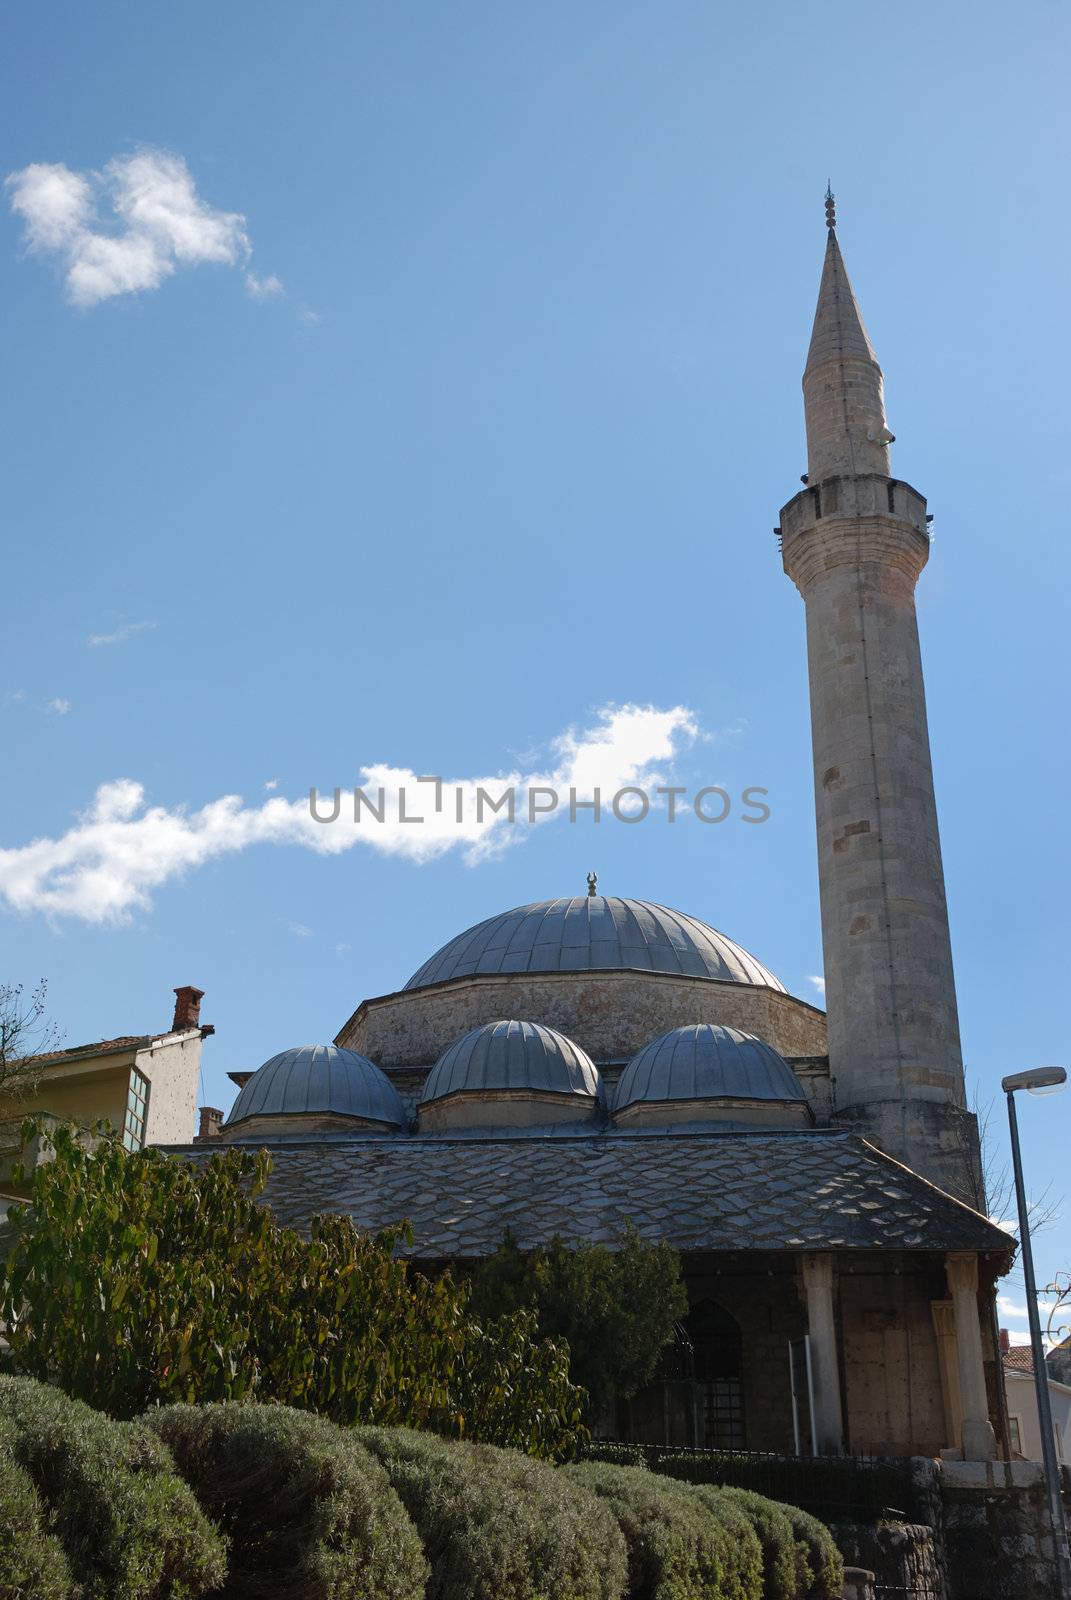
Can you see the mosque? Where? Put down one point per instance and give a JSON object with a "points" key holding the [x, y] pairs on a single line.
{"points": [[574, 1065]]}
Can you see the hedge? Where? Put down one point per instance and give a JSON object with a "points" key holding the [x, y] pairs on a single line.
{"points": [[824, 1561], [129, 1527], [676, 1546], [818, 1567], [309, 1512], [498, 1525], [32, 1563]]}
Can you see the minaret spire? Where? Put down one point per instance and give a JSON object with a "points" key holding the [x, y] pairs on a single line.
{"points": [[843, 388]]}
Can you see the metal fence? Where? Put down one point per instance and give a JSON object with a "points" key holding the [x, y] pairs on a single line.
{"points": [[833, 1488]]}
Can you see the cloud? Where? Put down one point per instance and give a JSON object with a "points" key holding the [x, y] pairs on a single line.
{"points": [[125, 631], [126, 229], [263, 288], [820, 985], [59, 706], [107, 866], [271, 784], [309, 317], [1008, 1307], [299, 930]]}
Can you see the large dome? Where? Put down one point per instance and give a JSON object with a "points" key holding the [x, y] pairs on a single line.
{"points": [[319, 1079], [594, 933]]}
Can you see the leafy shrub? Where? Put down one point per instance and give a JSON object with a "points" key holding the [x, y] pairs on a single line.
{"points": [[615, 1455], [310, 1513], [129, 1527], [209, 1299], [678, 1548], [744, 1570], [498, 1525], [615, 1307], [824, 1561], [32, 1563], [785, 1572]]}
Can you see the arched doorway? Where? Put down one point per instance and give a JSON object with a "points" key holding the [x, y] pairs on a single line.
{"points": [[719, 1388]]}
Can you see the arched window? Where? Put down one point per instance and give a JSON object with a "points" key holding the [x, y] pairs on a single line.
{"points": [[716, 1343]]}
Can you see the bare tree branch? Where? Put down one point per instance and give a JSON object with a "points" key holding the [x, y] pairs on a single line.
{"points": [[25, 1037]]}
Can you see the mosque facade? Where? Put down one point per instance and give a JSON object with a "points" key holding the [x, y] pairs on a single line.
{"points": [[577, 1066]]}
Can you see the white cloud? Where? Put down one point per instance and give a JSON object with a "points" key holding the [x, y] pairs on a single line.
{"points": [[271, 783], [125, 229], [299, 930], [1009, 1308], [59, 706], [263, 288], [309, 317], [820, 985], [125, 631], [107, 865]]}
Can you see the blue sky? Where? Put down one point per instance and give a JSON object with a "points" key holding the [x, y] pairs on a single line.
{"points": [[503, 449]]}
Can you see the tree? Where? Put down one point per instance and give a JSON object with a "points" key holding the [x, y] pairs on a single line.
{"points": [[25, 1037], [616, 1308], [135, 1279]]}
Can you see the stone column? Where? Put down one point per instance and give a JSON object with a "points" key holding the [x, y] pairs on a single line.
{"points": [[979, 1441], [944, 1326], [825, 1369]]}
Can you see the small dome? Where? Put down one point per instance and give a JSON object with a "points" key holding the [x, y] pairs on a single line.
{"points": [[319, 1079], [593, 934], [518, 1060], [707, 1062]]}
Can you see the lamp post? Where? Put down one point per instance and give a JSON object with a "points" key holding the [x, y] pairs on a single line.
{"points": [[1039, 1078]]}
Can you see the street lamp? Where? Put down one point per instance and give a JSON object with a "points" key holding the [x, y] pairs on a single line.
{"points": [[1040, 1078]]}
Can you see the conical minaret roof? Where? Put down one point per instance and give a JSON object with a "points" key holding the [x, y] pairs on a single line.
{"points": [[843, 389], [838, 329]]}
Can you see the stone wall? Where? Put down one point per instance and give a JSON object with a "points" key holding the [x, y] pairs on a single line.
{"points": [[997, 1539], [904, 1556], [610, 1014]]}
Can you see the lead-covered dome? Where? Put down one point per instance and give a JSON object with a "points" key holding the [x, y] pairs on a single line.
{"points": [[316, 1081], [709, 1070], [594, 933], [510, 1073]]}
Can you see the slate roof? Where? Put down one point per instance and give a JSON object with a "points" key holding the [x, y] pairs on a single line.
{"points": [[700, 1191]]}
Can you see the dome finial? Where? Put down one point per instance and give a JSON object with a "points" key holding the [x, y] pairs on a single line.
{"points": [[593, 883], [831, 208]]}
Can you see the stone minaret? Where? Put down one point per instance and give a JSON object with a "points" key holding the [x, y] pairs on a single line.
{"points": [[854, 543]]}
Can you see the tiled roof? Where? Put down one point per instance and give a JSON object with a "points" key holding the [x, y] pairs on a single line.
{"points": [[720, 1191], [1020, 1358], [101, 1047]]}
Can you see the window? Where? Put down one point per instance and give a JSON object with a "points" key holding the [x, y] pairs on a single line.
{"points": [[137, 1104], [1015, 1434], [717, 1344]]}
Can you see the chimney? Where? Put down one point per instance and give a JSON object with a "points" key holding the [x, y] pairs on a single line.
{"points": [[1005, 1341], [209, 1126], [187, 1008]]}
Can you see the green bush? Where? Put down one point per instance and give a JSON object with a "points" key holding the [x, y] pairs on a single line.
{"points": [[615, 1455], [678, 1548], [825, 1564], [129, 1527], [498, 1525], [745, 1569], [137, 1279], [32, 1563], [785, 1572], [310, 1513]]}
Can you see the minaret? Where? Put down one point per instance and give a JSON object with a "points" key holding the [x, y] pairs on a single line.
{"points": [[854, 543]]}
